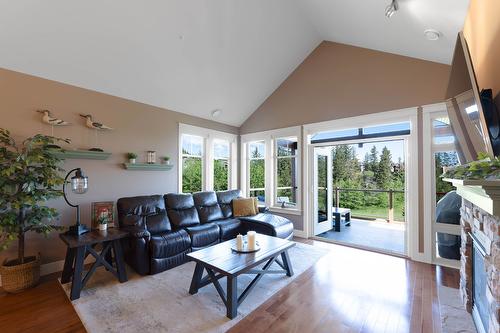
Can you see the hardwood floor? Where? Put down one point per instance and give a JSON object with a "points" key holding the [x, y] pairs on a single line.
{"points": [[348, 290], [45, 308], [352, 290]]}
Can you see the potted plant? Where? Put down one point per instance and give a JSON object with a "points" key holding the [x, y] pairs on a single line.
{"points": [[166, 160], [102, 222], [29, 177], [131, 157]]}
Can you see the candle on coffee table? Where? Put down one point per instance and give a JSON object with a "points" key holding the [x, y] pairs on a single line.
{"points": [[239, 242], [251, 239]]}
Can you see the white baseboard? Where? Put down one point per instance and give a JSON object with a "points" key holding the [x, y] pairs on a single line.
{"points": [[299, 233]]}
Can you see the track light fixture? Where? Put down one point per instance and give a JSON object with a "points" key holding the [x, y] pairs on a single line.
{"points": [[391, 8]]}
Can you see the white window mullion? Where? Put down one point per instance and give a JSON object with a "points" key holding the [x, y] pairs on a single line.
{"points": [[269, 181], [208, 177]]}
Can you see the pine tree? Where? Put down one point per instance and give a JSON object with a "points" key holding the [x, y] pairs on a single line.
{"points": [[384, 172]]}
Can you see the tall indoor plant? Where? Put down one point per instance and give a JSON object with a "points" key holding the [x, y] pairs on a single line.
{"points": [[29, 177]]}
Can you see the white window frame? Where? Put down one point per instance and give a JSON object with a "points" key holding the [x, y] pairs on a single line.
{"points": [[266, 165], [269, 138], [412, 184], [430, 113], [209, 136], [228, 159], [202, 158], [275, 202]]}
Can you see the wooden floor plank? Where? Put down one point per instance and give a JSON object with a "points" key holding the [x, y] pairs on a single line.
{"points": [[348, 290]]}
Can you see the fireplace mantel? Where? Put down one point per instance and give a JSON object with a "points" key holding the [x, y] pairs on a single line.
{"points": [[482, 193]]}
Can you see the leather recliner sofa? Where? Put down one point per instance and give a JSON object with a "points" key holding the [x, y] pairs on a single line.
{"points": [[163, 229]]}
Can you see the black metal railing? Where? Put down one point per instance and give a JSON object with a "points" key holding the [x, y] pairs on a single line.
{"points": [[390, 204]]}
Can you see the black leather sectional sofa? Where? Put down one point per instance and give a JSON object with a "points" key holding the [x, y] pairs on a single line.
{"points": [[163, 229]]}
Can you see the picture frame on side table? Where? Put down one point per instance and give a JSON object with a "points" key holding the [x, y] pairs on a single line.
{"points": [[103, 209]]}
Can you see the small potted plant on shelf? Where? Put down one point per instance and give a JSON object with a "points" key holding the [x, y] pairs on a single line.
{"points": [[102, 222], [131, 157], [166, 160], [29, 176]]}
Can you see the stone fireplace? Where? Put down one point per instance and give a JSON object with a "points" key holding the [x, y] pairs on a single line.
{"points": [[480, 260]]}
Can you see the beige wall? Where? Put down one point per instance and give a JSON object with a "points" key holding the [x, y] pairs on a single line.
{"points": [[138, 128], [338, 81], [482, 32]]}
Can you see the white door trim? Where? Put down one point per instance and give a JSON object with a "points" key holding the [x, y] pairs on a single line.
{"points": [[408, 114]]}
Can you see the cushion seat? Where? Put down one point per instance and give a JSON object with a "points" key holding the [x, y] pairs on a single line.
{"points": [[203, 235], [269, 224], [229, 228], [168, 250]]}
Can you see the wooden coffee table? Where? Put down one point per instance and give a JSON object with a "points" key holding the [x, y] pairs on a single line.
{"points": [[221, 261]]}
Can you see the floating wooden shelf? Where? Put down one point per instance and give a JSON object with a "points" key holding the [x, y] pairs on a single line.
{"points": [[82, 154], [148, 167]]}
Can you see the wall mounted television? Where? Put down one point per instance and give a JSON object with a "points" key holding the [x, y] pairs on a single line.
{"points": [[473, 114]]}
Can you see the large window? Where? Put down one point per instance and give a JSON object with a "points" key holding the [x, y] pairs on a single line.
{"points": [[221, 149], [271, 168], [257, 170], [286, 172], [207, 160], [192, 163], [445, 230]]}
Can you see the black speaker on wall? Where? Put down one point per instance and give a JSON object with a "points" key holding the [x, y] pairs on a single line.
{"points": [[492, 118]]}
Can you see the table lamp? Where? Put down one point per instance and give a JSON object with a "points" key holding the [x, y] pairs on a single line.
{"points": [[79, 185]]}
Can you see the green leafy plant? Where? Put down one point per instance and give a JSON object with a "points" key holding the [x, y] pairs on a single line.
{"points": [[29, 177], [166, 158], [486, 167], [102, 220], [131, 156]]}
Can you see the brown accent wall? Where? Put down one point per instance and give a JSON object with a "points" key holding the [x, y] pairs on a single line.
{"points": [[482, 32], [138, 128], [338, 81]]}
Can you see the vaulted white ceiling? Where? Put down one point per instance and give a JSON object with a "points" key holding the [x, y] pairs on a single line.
{"points": [[363, 23], [194, 56]]}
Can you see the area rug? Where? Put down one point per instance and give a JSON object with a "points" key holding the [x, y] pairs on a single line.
{"points": [[161, 302], [454, 317]]}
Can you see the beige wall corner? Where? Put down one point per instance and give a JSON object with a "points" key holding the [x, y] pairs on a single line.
{"points": [[338, 81]]}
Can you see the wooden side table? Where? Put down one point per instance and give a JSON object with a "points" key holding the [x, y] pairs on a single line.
{"points": [[79, 247]]}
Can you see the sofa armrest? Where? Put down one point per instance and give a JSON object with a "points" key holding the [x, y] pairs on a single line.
{"points": [[136, 231]]}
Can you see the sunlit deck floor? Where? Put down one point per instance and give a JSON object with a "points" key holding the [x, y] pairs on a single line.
{"points": [[374, 234]]}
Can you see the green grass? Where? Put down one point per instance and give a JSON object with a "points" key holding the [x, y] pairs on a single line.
{"points": [[378, 212]]}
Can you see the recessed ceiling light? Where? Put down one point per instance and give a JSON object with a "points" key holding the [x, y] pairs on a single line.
{"points": [[432, 34], [216, 113]]}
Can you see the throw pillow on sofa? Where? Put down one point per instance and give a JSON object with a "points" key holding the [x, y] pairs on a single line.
{"points": [[245, 207]]}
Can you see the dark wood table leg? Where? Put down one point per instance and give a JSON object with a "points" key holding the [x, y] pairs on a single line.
{"points": [[337, 221], [69, 261], [287, 263], [109, 255], [195, 281], [76, 286], [120, 263], [232, 297]]}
